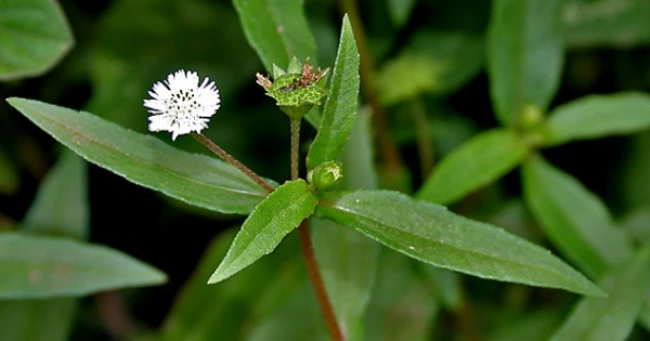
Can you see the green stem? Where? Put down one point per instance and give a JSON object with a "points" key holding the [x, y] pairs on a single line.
{"points": [[423, 137], [308, 249], [231, 160], [295, 147]]}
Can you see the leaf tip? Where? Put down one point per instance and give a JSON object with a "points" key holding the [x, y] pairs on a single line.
{"points": [[219, 275]]}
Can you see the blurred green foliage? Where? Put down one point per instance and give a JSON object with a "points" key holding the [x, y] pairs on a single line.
{"points": [[448, 76]]}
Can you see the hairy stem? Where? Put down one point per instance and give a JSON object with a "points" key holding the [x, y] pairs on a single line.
{"points": [[295, 147], [231, 160], [423, 137], [387, 148], [308, 249]]}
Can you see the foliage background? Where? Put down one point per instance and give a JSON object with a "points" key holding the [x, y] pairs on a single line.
{"points": [[123, 46]]}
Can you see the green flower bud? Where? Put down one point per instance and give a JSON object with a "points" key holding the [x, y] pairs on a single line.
{"points": [[296, 90], [326, 176], [531, 117]]}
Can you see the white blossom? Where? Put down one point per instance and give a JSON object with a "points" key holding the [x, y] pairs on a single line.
{"points": [[180, 105]]}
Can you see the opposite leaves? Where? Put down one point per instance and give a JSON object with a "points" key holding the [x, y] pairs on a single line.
{"points": [[277, 215], [432, 234]]}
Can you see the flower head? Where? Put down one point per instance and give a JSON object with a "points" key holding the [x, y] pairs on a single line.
{"points": [[296, 90], [180, 105]]}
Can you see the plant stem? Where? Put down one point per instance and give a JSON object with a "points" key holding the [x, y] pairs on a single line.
{"points": [[115, 315], [231, 160], [387, 149], [295, 147], [317, 282], [423, 137], [308, 249]]}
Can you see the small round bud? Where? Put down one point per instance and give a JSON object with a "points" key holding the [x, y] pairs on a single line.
{"points": [[326, 176], [531, 117]]}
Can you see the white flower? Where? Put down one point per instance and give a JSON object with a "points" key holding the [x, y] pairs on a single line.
{"points": [[180, 105]]}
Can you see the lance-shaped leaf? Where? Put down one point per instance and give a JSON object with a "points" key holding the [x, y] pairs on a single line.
{"points": [[432, 234], [61, 208], [277, 30], [577, 222], [34, 36], [145, 160], [39, 267], [525, 55], [478, 162], [598, 116], [341, 105], [611, 318], [277, 215]]}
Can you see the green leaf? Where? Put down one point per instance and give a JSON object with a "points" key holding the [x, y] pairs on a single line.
{"points": [[349, 268], [61, 208], [9, 180], [195, 179], [272, 219], [432, 234], [53, 216], [598, 116], [477, 163], [37, 320], [607, 23], [575, 220], [277, 30], [402, 307], [400, 10], [40, 267], [611, 318], [34, 36], [525, 55], [341, 105]]}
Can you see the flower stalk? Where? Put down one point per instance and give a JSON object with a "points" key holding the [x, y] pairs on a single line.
{"points": [[213, 147]]}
